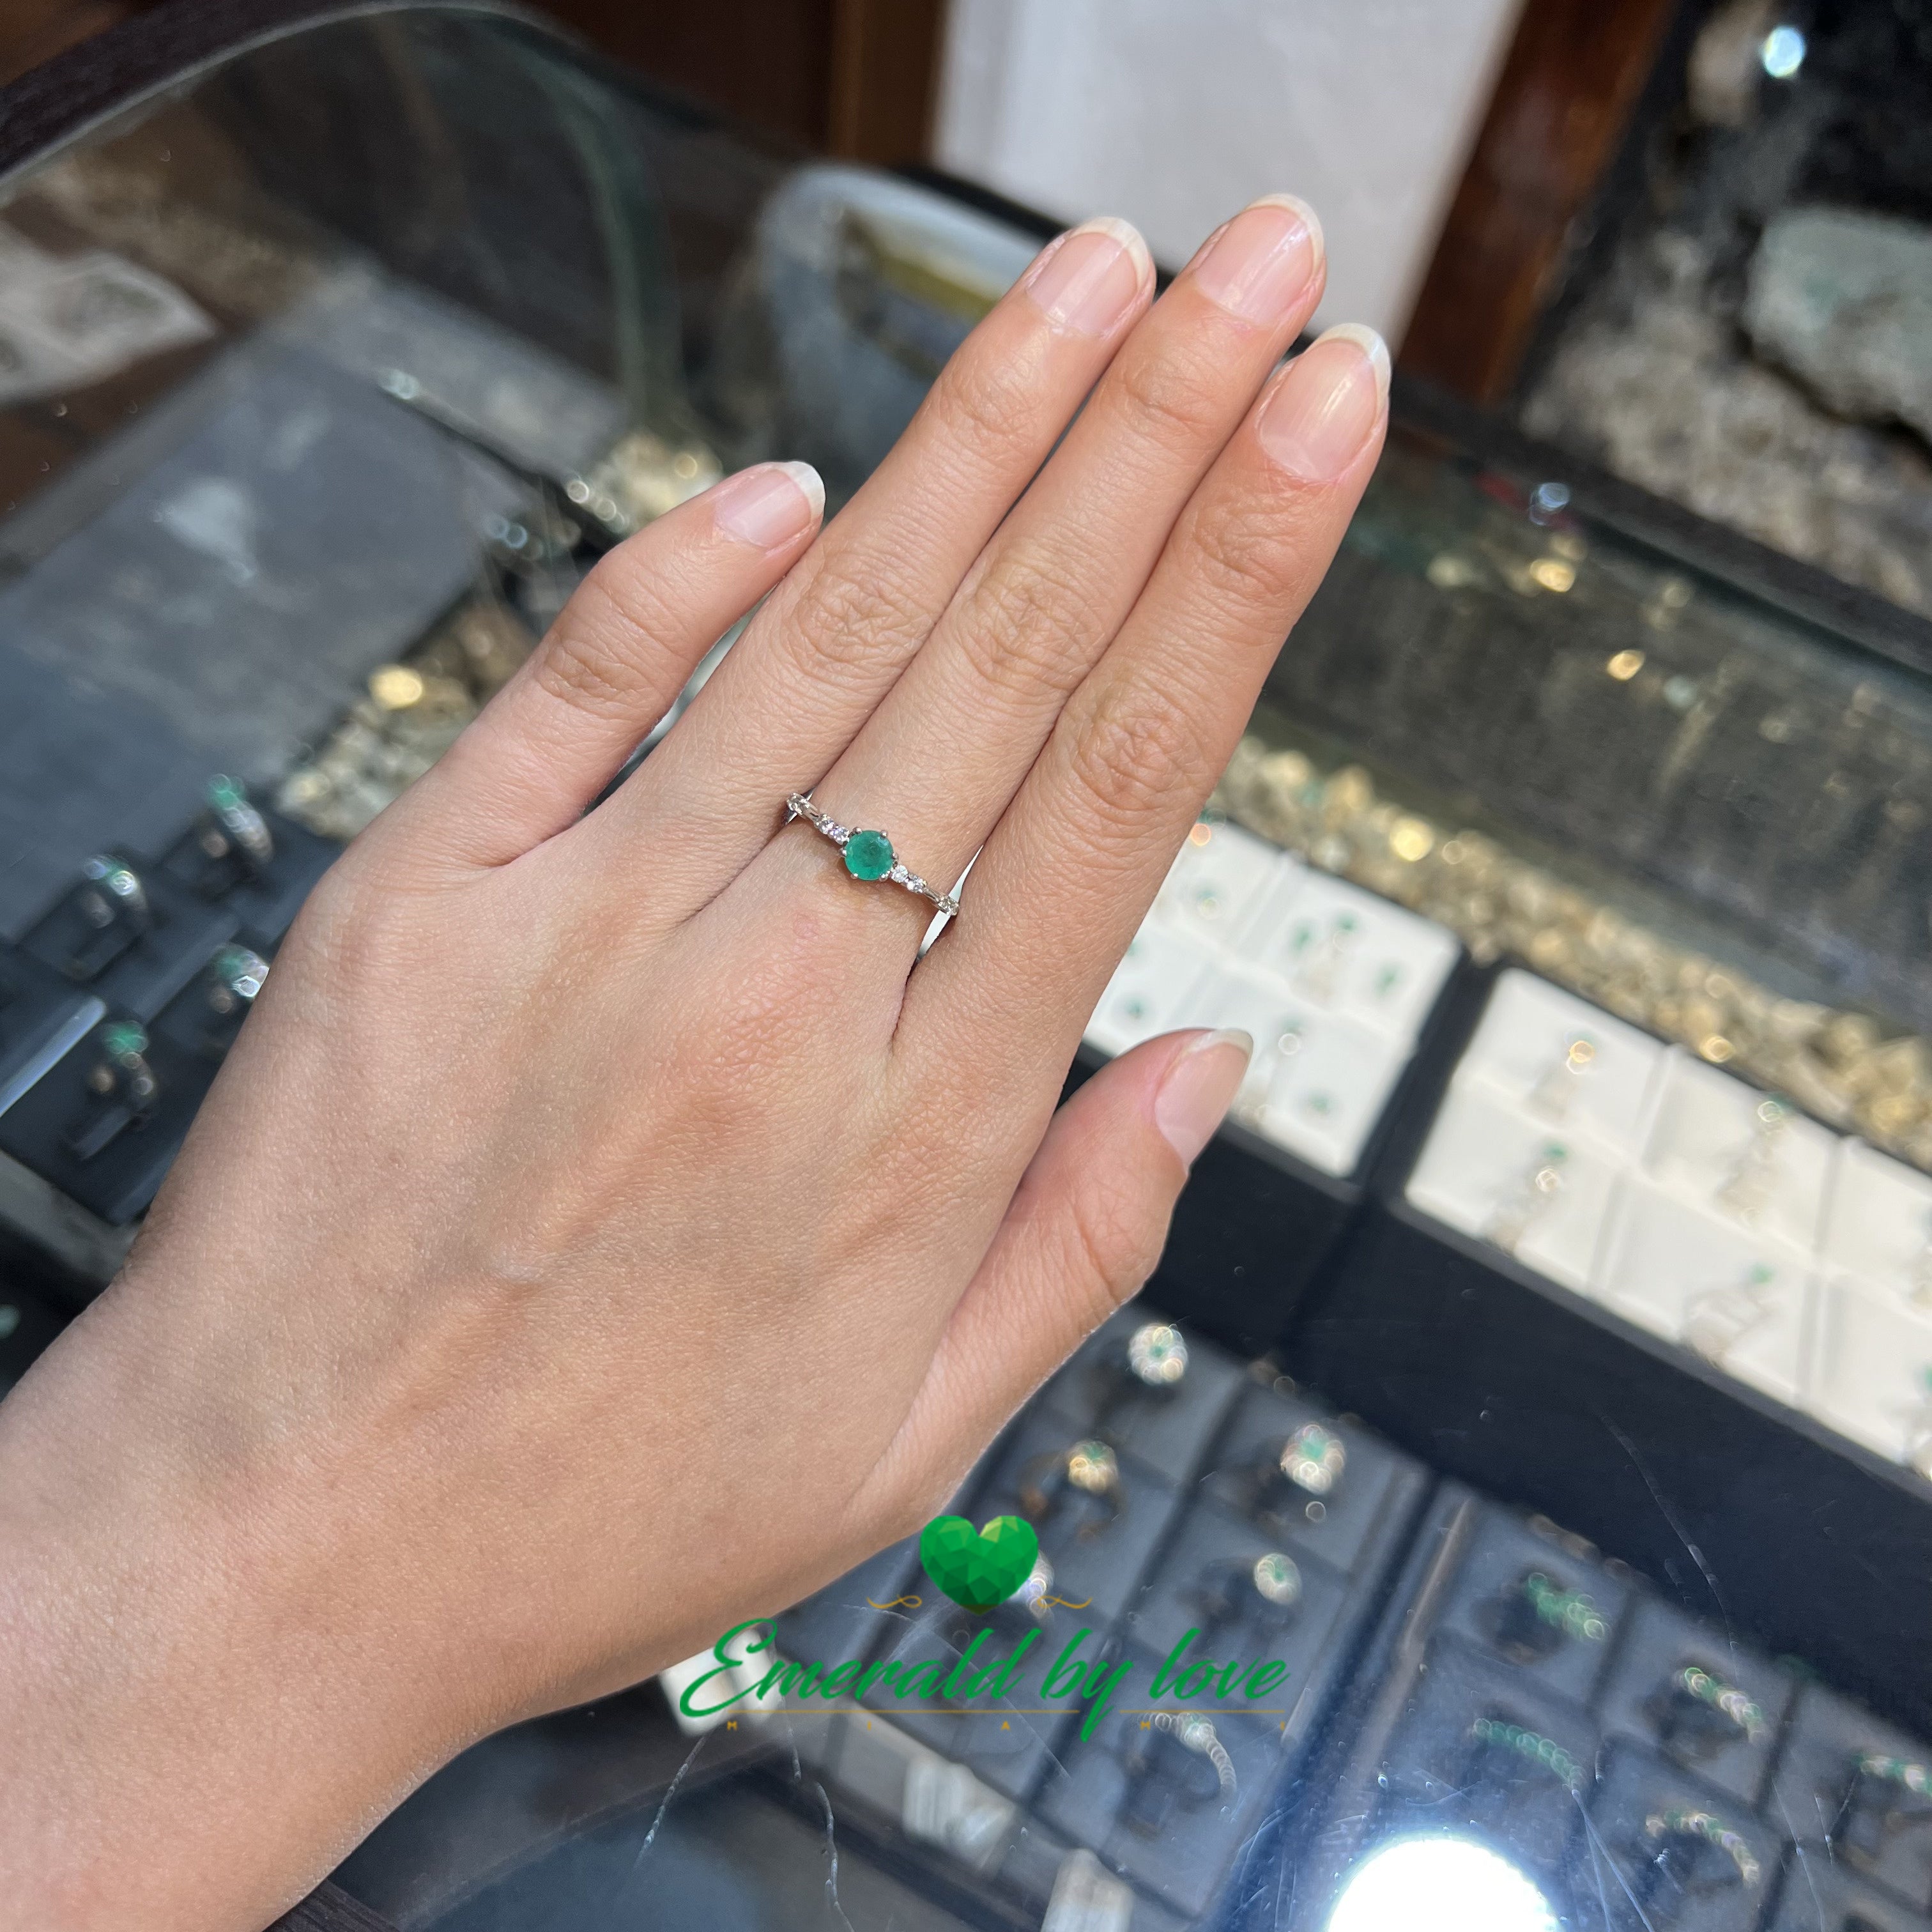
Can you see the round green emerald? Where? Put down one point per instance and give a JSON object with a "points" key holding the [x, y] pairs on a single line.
{"points": [[869, 855]]}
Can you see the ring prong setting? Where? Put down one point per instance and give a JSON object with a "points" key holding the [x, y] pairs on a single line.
{"points": [[869, 855]]}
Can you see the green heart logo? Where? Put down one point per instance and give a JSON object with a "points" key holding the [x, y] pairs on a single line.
{"points": [[979, 1568]]}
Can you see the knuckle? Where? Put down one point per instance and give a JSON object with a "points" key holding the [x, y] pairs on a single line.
{"points": [[1238, 549], [853, 614], [1127, 754], [1025, 625], [1116, 1242], [603, 657], [989, 398], [1171, 396]]}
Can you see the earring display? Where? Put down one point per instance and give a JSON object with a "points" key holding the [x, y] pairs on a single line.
{"points": [[1740, 1301], [1168, 1797], [1839, 1065], [1220, 877], [1709, 1213], [1872, 1376], [1148, 992], [1716, 1708], [1161, 1779], [1857, 1788], [1878, 1228], [1098, 1510], [1317, 1085], [1482, 1747], [1534, 1195], [1343, 951], [1090, 1469], [1492, 1170], [1564, 1061], [1680, 1827], [1333, 985], [1758, 1177], [1554, 1095], [1747, 1155]]}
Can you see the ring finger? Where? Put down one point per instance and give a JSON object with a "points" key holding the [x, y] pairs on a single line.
{"points": [[831, 641], [936, 763]]}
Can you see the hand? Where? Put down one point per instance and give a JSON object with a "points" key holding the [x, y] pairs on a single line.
{"points": [[608, 1227]]}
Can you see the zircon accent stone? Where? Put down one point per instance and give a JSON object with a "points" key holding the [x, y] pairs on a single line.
{"points": [[869, 855]]}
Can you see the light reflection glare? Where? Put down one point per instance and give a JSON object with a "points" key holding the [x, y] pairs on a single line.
{"points": [[1782, 52], [1439, 1884]]}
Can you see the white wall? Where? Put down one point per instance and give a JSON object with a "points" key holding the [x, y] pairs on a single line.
{"points": [[1175, 112]]}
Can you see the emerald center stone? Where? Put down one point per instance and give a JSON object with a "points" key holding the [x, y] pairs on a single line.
{"points": [[869, 855]]}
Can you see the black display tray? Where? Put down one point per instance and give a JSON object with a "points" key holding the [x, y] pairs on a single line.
{"points": [[1255, 1226], [1745, 1512]]}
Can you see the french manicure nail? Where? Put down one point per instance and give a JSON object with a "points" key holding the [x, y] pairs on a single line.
{"points": [[1200, 1087], [769, 505], [1089, 279], [1263, 259], [1319, 416]]}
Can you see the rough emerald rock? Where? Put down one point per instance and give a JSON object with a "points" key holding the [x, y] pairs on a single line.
{"points": [[1843, 300], [869, 855]]}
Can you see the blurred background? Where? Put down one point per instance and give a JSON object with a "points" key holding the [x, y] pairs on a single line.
{"points": [[1542, 1354], [1583, 212]]}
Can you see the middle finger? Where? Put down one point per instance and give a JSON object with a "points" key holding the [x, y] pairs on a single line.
{"points": [[938, 761]]}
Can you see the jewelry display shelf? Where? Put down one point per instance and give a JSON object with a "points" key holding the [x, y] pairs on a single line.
{"points": [[398, 322], [1340, 990], [1528, 1700], [1742, 1506]]}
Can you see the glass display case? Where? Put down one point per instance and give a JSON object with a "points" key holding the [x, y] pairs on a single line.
{"points": [[1512, 1496]]}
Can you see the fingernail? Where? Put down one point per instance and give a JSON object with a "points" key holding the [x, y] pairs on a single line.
{"points": [[1319, 416], [1090, 278], [1257, 265], [1199, 1088], [769, 505]]}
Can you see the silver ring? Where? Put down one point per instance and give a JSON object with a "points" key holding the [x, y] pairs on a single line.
{"points": [[869, 855]]}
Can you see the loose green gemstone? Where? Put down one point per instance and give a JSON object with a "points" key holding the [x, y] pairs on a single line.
{"points": [[869, 855]]}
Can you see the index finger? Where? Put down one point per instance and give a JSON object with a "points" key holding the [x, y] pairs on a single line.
{"points": [[1066, 875]]}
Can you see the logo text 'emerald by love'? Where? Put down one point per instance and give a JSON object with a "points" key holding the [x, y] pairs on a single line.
{"points": [[1074, 1676], [979, 1569]]}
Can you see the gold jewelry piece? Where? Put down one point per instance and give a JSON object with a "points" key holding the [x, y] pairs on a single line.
{"points": [[1839, 1065], [1317, 976], [1754, 1181], [1277, 1580], [1699, 1685], [1090, 1467], [1679, 1821], [1717, 1321], [1157, 1355], [1532, 1197], [1555, 1092], [1313, 1459], [1196, 1730]]}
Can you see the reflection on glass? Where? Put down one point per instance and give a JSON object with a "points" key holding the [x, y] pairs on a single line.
{"points": [[1448, 1884]]}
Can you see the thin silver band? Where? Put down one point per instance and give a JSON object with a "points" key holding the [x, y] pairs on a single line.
{"points": [[800, 805]]}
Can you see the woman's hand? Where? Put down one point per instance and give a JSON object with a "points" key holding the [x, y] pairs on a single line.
{"points": [[608, 1227]]}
